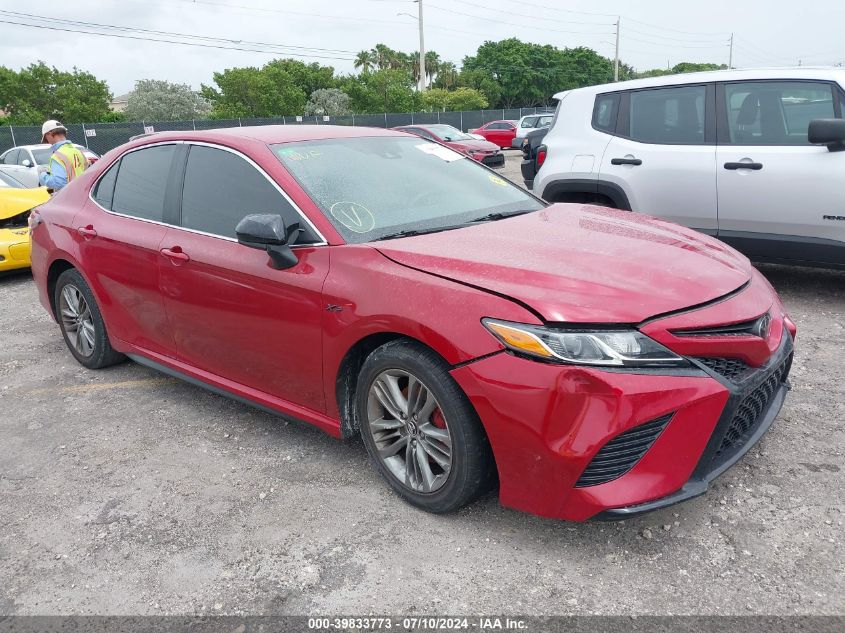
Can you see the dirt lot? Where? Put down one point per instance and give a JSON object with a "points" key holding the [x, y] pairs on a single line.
{"points": [[125, 492]]}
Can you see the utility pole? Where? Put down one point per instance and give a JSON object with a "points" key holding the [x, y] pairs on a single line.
{"points": [[422, 50], [731, 54], [616, 58]]}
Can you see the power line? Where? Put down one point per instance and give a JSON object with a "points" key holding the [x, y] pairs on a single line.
{"points": [[148, 39], [545, 17], [79, 23]]}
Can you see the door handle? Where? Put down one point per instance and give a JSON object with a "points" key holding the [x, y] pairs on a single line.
{"points": [[625, 161], [175, 255], [754, 166], [87, 232]]}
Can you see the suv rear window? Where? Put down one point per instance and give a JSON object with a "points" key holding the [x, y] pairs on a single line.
{"points": [[605, 111], [673, 116]]}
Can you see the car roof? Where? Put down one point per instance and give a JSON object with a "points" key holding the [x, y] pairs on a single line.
{"points": [[823, 73], [272, 134]]}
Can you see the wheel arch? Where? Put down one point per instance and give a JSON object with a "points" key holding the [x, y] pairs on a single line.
{"points": [[586, 191], [57, 267]]}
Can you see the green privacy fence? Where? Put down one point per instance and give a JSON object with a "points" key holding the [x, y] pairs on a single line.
{"points": [[102, 137]]}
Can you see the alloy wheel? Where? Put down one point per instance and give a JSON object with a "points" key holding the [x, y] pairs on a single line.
{"points": [[77, 320], [411, 433]]}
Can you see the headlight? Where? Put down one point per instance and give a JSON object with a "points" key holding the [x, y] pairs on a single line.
{"points": [[607, 348]]}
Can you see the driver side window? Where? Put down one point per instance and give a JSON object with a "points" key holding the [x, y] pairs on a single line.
{"points": [[221, 188]]}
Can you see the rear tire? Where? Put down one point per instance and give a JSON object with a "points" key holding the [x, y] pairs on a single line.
{"points": [[420, 429], [81, 323]]}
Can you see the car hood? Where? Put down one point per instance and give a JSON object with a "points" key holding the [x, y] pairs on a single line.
{"points": [[573, 263], [15, 201], [476, 146]]}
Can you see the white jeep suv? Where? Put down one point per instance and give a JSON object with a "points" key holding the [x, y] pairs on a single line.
{"points": [[755, 157]]}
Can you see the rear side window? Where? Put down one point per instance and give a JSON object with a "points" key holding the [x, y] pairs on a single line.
{"points": [[529, 121], [221, 188], [776, 112], [104, 189], [668, 115], [499, 126], [605, 111], [141, 182]]}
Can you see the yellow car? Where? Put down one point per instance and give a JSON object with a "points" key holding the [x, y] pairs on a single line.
{"points": [[15, 205]]}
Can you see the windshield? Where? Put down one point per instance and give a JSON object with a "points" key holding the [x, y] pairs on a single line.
{"points": [[448, 133], [42, 156], [372, 187]]}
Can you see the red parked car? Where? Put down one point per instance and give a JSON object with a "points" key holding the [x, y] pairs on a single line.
{"points": [[484, 152], [500, 133], [598, 361]]}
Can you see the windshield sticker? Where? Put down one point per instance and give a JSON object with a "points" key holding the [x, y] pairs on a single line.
{"points": [[497, 181], [292, 154], [355, 217], [441, 152]]}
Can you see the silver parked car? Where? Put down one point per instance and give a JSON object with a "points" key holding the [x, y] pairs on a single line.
{"points": [[529, 123]]}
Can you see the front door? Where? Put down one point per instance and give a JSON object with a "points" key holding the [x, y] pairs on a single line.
{"points": [[233, 315], [663, 156], [779, 196]]}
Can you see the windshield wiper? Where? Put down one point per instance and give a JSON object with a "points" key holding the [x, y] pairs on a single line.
{"points": [[412, 232], [499, 216]]}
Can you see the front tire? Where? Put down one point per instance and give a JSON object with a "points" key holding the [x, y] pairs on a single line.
{"points": [[421, 432], [81, 322]]}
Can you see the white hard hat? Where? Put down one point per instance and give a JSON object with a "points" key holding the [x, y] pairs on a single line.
{"points": [[51, 126]]}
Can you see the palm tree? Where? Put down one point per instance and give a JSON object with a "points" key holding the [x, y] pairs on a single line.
{"points": [[413, 65], [365, 61], [432, 66], [383, 56], [447, 75]]}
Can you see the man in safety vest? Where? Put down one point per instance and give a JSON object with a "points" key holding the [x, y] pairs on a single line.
{"points": [[66, 162]]}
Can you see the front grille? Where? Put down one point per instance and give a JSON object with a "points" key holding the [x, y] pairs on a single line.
{"points": [[750, 411], [730, 368], [746, 328], [622, 453]]}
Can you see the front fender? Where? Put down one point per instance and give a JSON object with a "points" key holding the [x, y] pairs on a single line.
{"points": [[366, 293]]}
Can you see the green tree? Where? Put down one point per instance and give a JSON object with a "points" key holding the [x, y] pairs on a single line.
{"points": [[384, 90], [432, 66], [39, 92], [250, 92], [156, 100], [435, 99], [467, 99]]}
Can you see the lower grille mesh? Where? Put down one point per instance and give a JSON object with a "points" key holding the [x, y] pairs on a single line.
{"points": [[751, 409], [622, 453], [730, 368]]}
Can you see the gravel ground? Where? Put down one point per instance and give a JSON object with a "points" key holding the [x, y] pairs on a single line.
{"points": [[126, 492]]}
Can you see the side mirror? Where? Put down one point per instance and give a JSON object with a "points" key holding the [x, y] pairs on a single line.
{"points": [[26, 162], [830, 132], [267, 232]]}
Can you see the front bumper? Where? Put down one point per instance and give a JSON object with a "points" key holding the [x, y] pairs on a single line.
{"points": [[493, 160], [14, 249], [547, 422]]}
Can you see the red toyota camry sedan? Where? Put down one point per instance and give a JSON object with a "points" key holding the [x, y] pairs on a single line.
{"points": [[594, 362]]}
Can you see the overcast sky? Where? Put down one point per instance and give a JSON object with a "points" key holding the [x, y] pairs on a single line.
{"points": [[654, 33]]}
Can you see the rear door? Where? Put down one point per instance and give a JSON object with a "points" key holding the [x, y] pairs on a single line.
{"points": [[779, 196], [664, 154], [119, 232], [233, 315]]}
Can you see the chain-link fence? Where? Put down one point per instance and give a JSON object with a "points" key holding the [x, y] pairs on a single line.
{"points": [[102, 137]]}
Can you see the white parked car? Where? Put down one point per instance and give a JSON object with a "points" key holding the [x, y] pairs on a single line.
{"points": [[528, 123], [755, 157], [25, 162]]}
